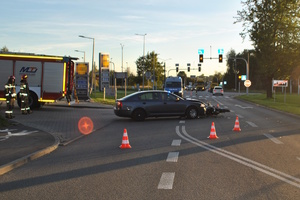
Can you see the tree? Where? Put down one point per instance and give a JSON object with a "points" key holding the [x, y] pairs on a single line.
{"points": [[4, 49], [230, 75], [150, 63], [273, 27], [183, 76]]}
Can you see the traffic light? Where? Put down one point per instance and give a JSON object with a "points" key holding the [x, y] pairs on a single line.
{"points": [[188, 69], [220, 58], [199, 69], [177, 69], [201, 58], [240, 77]]}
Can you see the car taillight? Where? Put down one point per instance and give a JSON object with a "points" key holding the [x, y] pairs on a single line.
{"points": [[119, 104], [221, 90]]}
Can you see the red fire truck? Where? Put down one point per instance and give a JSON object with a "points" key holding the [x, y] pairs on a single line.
{"points": [[50, 78]]}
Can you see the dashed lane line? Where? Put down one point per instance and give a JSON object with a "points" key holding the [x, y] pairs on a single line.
{"points": [[172, 157], [273, 139], [166, 181], [252, 124], [176, 143]]}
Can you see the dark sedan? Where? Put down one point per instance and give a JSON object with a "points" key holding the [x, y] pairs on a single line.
{"points": [[156, 103]]}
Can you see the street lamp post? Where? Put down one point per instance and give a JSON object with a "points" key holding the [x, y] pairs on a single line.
{"points": [[83, 54], [143, 57], [122, 46], [93, 65]]}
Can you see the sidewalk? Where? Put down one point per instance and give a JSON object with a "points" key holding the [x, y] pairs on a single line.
{"points": [[21, 143]]}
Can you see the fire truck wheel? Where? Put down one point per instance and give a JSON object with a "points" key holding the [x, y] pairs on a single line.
{"points": [[33, 100]]}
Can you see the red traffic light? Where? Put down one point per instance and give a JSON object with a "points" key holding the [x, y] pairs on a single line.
{"points": [[201, 58], [220, 58]]}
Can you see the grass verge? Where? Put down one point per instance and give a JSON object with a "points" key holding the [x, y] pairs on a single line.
{"points": [[109, 100], [289, 103]]}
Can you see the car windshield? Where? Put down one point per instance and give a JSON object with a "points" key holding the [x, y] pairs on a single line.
{"points": [[173, 84]]}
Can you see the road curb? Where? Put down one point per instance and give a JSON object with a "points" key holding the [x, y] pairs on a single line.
{"points": [[21, 161]]}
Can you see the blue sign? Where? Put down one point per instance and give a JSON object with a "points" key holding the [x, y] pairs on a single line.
{"points": [[200, 51], [220, 51]]}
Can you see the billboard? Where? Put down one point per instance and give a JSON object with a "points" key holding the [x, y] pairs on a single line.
{"points": [[280, 83], [104, 78], [104, 60]]}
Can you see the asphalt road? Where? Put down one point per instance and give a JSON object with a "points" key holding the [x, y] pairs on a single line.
{"points": [[170, 158]]}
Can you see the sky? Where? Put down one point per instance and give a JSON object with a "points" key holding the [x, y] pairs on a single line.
{"points": [[175, 30]]}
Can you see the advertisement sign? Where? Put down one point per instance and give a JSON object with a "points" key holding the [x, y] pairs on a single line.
{"points": [[104, 78], [280, 83], [104, 60], [81, 68], [82, 81]]}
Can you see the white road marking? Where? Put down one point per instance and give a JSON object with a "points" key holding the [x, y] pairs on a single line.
{"points": [[243, 107], [240, 159], [7, 130], [166, 181], [181, 122], [252, 124], [172, 157], [240, 116], [9, 134], [21, 133], [218, 102], [276, 141], [176, 143]]}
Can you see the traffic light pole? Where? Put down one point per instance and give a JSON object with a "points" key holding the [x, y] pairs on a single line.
{"points": [[247, 70]]}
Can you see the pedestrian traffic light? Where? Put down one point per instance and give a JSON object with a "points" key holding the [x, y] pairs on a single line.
{"points": [[177, 69], [199, 69], [220, 58], [188, 69], [201, 58]]}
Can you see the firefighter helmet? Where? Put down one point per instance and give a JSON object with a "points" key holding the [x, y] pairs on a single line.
{"points": [[24, 77]]}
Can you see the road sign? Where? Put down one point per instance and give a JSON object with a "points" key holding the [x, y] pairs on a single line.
{"points": [[243, 77], [148, 75], [200, 51], [220, 51], [247, 83]]}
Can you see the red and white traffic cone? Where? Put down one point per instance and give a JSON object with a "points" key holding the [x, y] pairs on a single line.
{"points": [[213, 134], [236, 125], [125, 142]]}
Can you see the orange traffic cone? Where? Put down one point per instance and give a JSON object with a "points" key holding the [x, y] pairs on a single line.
{"points": [[213, 134], [125, 142], [236, 125]]}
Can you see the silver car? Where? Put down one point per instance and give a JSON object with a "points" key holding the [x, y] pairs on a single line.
{"points": [[157, 103], [218, 90]]}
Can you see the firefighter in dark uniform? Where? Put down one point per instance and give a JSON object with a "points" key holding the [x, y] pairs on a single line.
{"points": [[24, 95], [10, 95]]}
